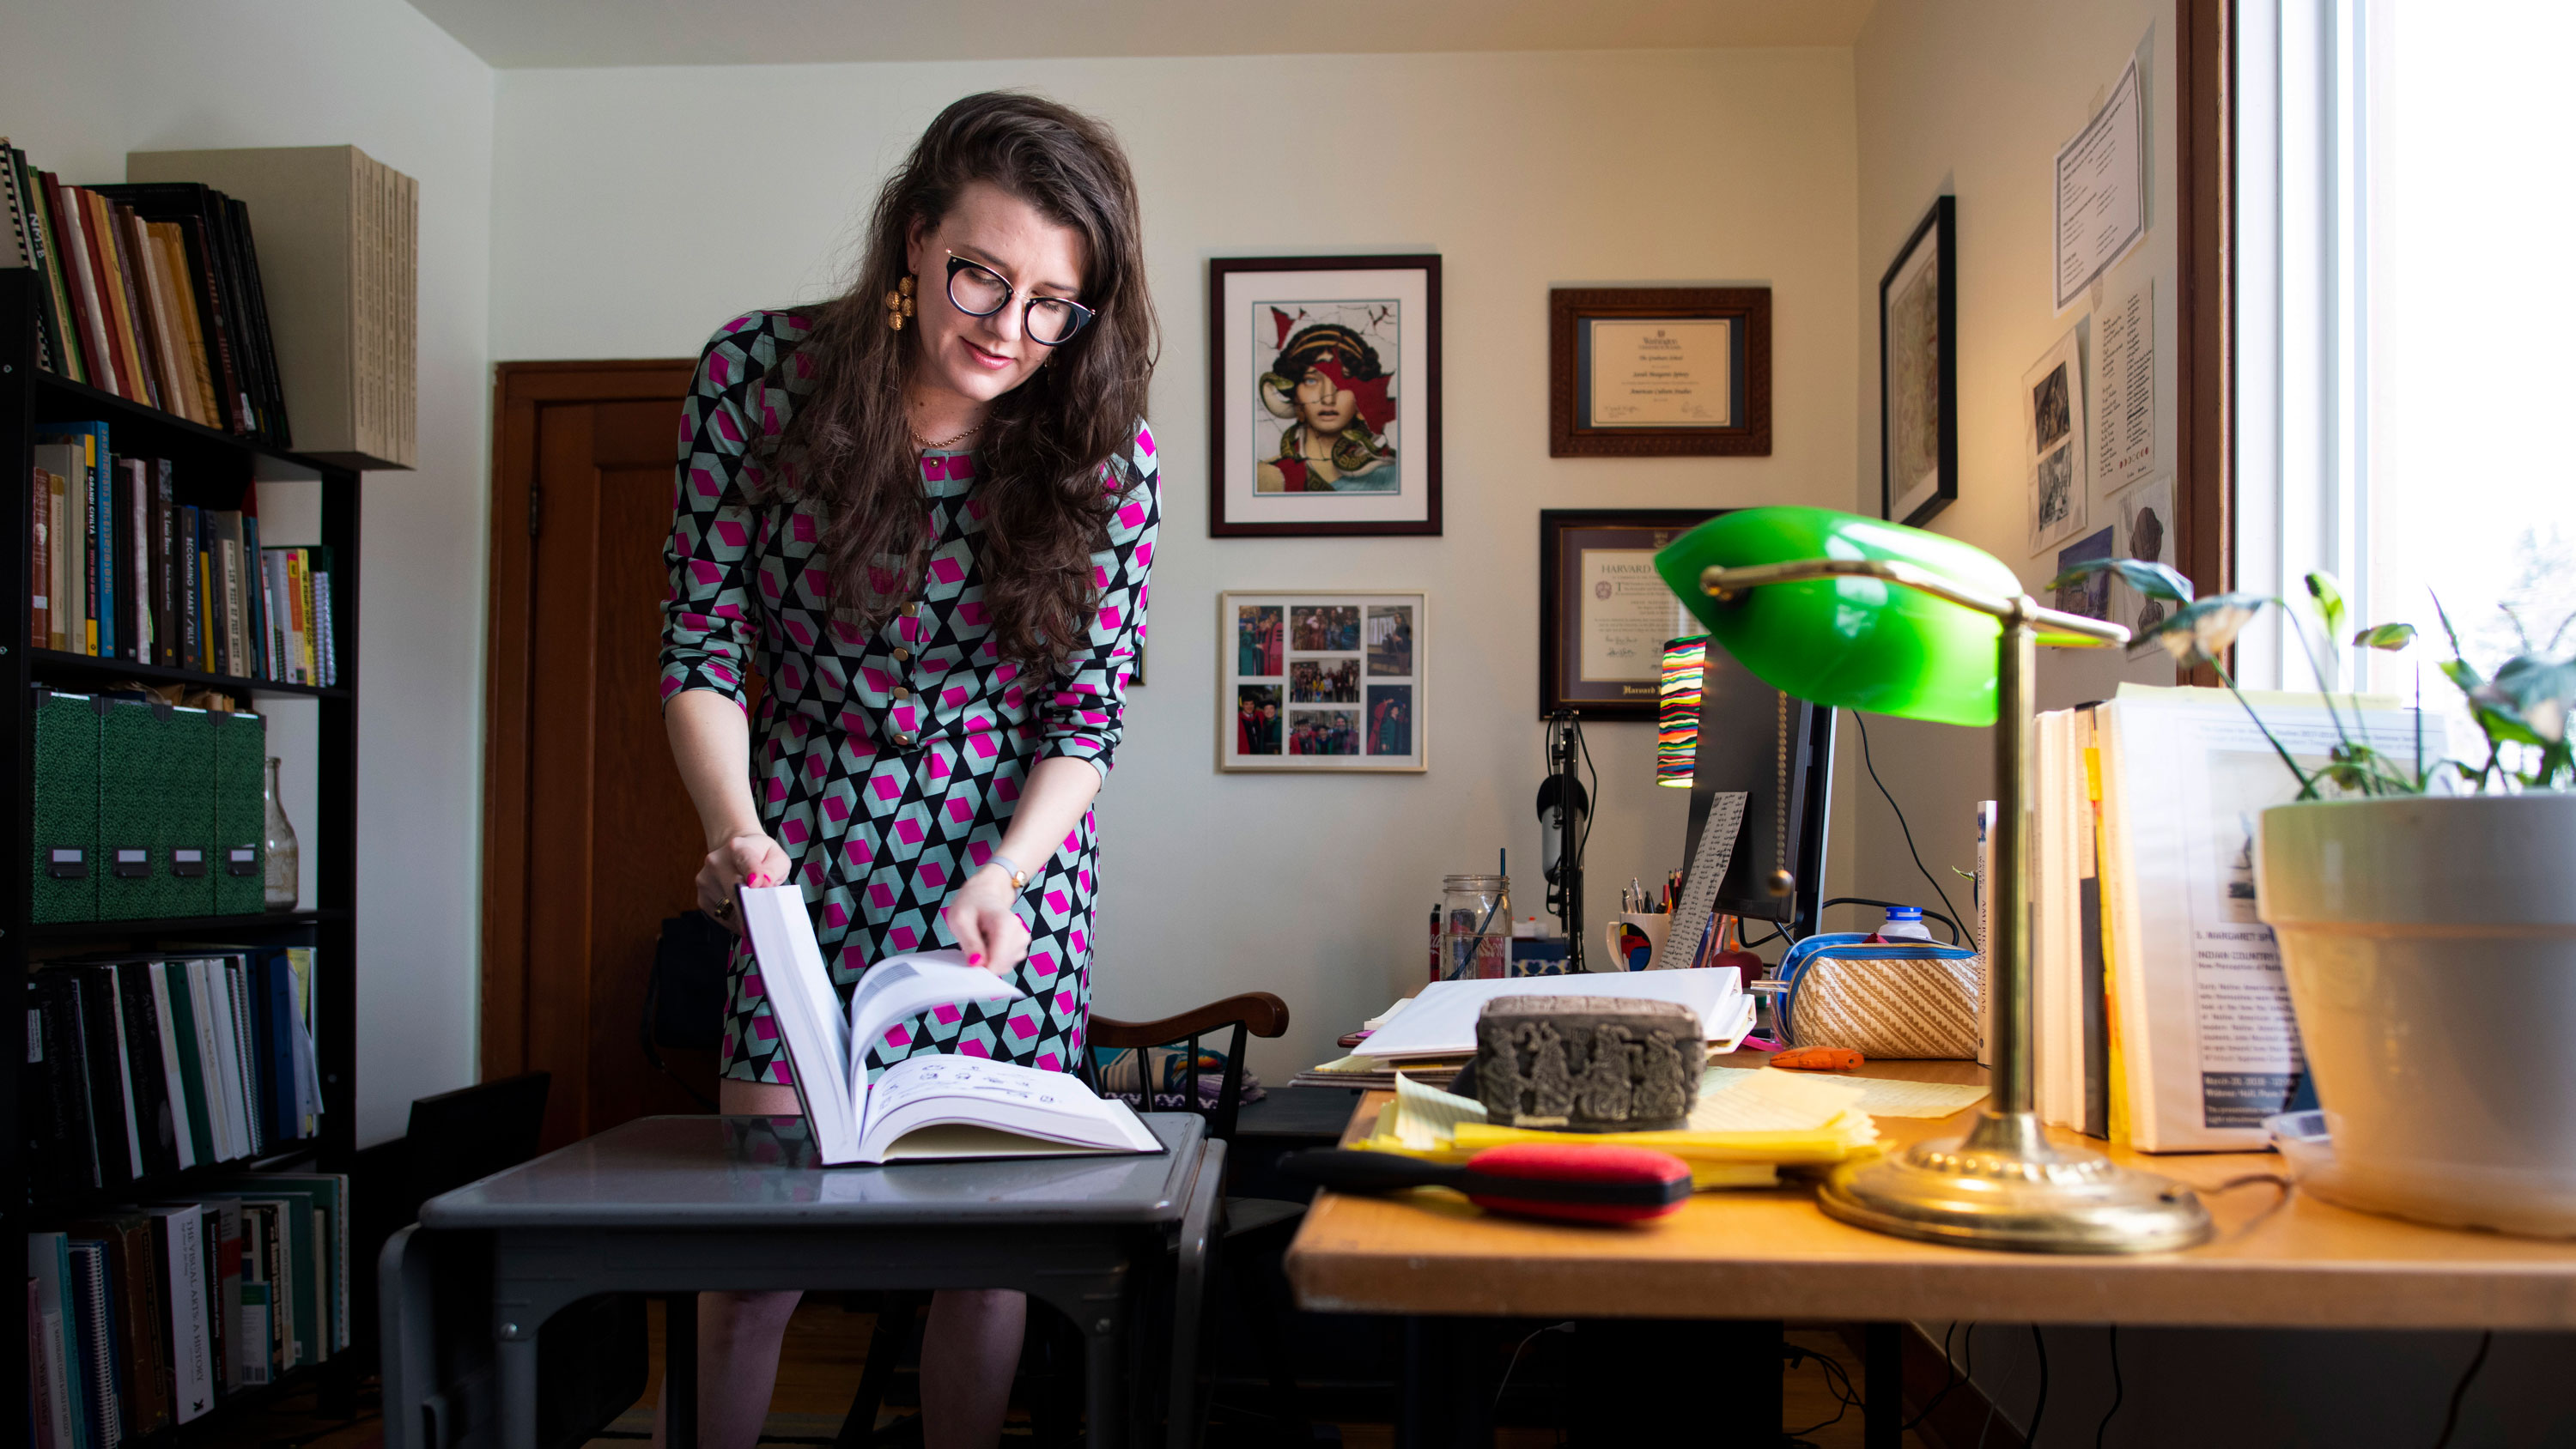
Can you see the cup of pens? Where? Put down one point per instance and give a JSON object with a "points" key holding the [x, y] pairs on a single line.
{"points": [[1637, 938]]}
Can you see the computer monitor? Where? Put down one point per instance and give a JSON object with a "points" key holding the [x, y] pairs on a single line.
{"points": [[1779, 751]]}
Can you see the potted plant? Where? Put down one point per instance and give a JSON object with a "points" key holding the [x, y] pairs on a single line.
{"points": [[2426, 916]]}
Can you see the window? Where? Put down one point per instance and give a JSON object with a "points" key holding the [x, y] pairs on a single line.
{"points": [[2404, 225]]}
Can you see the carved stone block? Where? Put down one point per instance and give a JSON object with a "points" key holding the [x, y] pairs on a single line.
{"points": [[1587, 1063]]}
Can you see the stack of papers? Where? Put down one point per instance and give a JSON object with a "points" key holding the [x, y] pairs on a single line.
{"points": [[1441, 1022], [1746, 1126]]}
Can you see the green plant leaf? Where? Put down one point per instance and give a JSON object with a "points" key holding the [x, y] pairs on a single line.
{"points": [[2155, 580], [2206, 628], [2329, 596], [2534, 693], [2386, 636]]}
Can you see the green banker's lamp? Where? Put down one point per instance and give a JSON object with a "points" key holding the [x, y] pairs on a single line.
{"points": [[1860, 614]]}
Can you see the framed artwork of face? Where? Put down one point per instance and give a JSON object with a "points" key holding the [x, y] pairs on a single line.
{"points": [[1323, 396], [1321, 681]]}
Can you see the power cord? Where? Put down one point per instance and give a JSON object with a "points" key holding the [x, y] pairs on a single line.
{"points": [[2039, 1410], [1863, 721], [1950, 1382], [2119, 1390], [1837, 1383], [1508, 1368], [2460, 1390]]}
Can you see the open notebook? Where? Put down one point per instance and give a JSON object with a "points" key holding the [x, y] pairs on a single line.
{"points": [[925, 1106]]}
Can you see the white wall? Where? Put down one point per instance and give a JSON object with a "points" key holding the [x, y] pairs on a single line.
{"points": [[634, 210], [87, 83], [1972, 98]]}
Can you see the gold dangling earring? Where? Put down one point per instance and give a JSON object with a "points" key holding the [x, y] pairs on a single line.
{"points": [[899, 303]]}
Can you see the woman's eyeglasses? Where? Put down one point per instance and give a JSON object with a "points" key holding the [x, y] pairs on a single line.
{"points": [[978, 291]]}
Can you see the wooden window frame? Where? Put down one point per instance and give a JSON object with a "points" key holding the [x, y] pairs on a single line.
{"points": [[2204, 375]]}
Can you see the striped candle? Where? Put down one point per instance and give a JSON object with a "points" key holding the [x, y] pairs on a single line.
{"points": [[1677, 712]]}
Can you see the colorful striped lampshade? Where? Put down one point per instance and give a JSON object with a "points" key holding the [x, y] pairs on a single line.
{"points": [[1677, 710]]}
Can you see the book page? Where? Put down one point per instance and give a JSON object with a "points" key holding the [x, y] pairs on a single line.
{"points": [[899, 988], [936, 1091], [808, 1011]]}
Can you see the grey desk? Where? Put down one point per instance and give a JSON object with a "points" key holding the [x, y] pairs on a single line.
{"points": [[679, 1205]]}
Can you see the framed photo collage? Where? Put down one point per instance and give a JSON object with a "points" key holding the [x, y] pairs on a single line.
{"points": [[1321, 681]]}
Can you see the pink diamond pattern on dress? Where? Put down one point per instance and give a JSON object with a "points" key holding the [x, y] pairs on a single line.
{"points": [[879, 836]]}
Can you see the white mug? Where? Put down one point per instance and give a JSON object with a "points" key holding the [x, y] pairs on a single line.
{"points": [[1650, 924]]}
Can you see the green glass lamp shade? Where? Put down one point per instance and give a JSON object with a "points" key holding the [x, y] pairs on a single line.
{"points": [[1856, 643]]}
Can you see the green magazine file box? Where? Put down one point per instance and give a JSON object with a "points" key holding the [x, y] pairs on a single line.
{"points": [[240, 859], [183, 854], [130, 786], [65, 807]]}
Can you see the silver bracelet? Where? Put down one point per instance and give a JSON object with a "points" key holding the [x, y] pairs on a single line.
{"points": [[1010, 867]]}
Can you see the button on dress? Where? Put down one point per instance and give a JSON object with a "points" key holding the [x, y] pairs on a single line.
{"points": [[888, 764]]}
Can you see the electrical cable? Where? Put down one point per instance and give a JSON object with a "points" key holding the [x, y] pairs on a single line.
{"points": [[1566, 1327], [2460, 1390], [2039, 1410], [2119, 1390], [1837, 1383], [1863, 721], [1949, 1382]]}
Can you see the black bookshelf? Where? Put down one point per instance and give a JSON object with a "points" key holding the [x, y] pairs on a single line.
{"points": [[211, 469]]}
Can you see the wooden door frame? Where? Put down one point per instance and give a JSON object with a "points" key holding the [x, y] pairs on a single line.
{"points": [[520, 391], [2205, 354]]}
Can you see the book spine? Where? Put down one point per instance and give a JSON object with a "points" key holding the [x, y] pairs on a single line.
{"points": [[109, 1112], [95, 1339], [92, 555], [330, 644], [131, 302], [281, 433], [81, 281], [47, 259], [24, 239], [115, 306], [192, 329], [231, 406], [40, 557], [165, 596], [255, 600], [192, 1148], [193, 1354], [133, 556], [102, 472], [147, 1081], [58, 571], [177, 393], [120, 1058]]}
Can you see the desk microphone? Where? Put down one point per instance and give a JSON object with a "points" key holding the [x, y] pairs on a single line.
{"points": [[1556, 828]]}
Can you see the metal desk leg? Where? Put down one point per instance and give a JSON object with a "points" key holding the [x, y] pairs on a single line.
{"points": [[516, 1355], [1882, 1385], [680, 1371], [1104, 1375]]}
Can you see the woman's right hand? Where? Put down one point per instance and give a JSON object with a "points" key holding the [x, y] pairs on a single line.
{"points": [[747, 857]]}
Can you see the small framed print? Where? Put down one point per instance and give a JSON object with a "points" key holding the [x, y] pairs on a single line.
{"points": [[1323, 396], [1639, 372], [1918, 373], [1603, 611], [1321, 681]]}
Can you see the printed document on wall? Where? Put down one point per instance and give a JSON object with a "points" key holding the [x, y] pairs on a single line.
{"points": [[2100, 196], [2208, 1040]]}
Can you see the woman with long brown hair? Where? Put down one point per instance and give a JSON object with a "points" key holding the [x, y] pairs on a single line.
{"points": [[923, 514]]}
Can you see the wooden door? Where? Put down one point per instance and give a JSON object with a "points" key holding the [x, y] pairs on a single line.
{"points": [[589, 838]]}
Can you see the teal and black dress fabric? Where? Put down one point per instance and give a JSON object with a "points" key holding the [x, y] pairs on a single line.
{"points": [[888, 764]]}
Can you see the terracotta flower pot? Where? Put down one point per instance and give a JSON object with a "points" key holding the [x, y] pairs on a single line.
{"points": [[2430, 946]]}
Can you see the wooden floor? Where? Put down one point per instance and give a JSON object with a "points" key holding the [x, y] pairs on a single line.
{"points": [[826, 1346]]}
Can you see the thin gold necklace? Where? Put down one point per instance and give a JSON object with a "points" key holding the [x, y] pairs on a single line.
{"points": [[952, 440]]}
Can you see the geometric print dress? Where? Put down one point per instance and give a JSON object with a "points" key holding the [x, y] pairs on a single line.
{"points": [[888, 764]]}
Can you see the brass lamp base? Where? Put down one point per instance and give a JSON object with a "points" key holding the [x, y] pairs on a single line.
{"points": [[2007, 1186]]}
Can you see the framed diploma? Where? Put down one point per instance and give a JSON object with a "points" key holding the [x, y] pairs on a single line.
{"points": [[1603, 613], [1323, 396], [1659, 371]]}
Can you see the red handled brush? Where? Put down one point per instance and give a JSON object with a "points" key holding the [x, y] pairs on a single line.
{"points": [[1571, 1183]]}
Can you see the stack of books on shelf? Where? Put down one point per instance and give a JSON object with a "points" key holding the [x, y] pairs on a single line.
{"points": [[2160, 1017], [119, 569], [150, 292], [148, 1313]]}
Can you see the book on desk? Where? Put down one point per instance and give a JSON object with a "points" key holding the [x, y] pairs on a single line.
{"points": [[924, 1107]]}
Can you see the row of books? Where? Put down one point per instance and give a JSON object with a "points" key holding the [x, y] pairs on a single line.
{"points": [[149, 291], [119, 569], [146, 1315], [2160, 1016], [138, 1068]]}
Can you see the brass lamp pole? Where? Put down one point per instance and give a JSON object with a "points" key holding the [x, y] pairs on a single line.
{"points": [[2004, 1185]]}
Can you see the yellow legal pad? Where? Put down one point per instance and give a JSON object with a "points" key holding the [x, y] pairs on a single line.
{"points": [[1746, 1126]]}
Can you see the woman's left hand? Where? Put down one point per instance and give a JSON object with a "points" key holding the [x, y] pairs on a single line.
{"points": [[980, 917]]}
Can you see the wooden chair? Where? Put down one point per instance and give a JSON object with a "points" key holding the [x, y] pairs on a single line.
{"points": [[1254, 1013]]}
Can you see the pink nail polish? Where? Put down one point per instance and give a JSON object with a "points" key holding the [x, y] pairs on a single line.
{"points": [[975, 960]]}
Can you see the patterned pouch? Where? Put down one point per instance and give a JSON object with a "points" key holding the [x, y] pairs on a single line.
{"points": [[1882, 999]]}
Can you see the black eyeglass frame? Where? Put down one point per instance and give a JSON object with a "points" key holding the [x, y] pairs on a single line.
{"points": [[1082, 315]]}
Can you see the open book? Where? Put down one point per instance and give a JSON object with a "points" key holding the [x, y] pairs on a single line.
{"points": [[923, 1106]]}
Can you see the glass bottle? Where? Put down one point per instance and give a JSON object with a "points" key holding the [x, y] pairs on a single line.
{"points": [[285, 862], [1476, 912]]}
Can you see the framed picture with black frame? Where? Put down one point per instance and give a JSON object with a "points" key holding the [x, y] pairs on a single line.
{"points": [[1603, 611], [1323, 396], [1918, 372]]}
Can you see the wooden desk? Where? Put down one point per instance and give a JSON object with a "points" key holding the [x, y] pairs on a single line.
{"points": [[1772, 1254]]}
